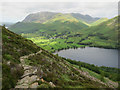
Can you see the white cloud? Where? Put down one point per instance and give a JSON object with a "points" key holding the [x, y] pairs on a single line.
{"points": [[16, 11]]}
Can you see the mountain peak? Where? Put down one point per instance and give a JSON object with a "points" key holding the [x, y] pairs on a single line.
{"points": [[39, 17]]}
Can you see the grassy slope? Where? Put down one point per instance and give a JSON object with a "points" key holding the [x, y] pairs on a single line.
{"points": [[59, 23], [99, 21], [13, 47], [39, 17], [103, 35], [86, 18], [62, 18], [26, 27], [96, 71]]}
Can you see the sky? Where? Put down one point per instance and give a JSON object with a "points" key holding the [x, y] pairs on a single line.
{"points": [[11, 11]]}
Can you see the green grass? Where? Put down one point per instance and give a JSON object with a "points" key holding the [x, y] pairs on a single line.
{"points": [[66, 78], [62, 18], [98, 76], [95, 71], [91, 73]]}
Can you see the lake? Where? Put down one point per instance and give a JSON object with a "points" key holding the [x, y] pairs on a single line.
{"points": [[92, 55]]}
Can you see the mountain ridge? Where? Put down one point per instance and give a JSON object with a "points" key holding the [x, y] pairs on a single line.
{"points": [[42, 17]]}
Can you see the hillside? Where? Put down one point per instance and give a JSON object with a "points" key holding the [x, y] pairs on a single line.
{"points": [[62, 17], [104, 34], [37, 68], [99, 21], [13, 47], [59, 24], [87, 18], [39, 17], [50, 22]]}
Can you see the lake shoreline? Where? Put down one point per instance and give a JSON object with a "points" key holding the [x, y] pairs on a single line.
{"points": [[83, 55], [84, 47]]}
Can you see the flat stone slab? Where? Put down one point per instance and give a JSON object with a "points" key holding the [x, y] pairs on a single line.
{"points": [[24, 80], [22, 86], [33, 78], [34, 85]]}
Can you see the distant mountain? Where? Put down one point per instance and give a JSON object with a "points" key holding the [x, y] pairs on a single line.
{"points": [[108, 28], [54, 22], [42, 17], [86, 18], [59, 23], [39, 17], [26, 65], [99, 21], [104, 34]]}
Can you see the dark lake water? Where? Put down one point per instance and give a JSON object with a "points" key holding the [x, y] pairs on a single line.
{"points": [[92, 55]]}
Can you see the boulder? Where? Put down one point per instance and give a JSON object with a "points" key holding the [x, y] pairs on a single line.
{"points": [[51, 84]]}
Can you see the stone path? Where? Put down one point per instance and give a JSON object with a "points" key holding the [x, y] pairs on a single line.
{"points": [[29, 78]]}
